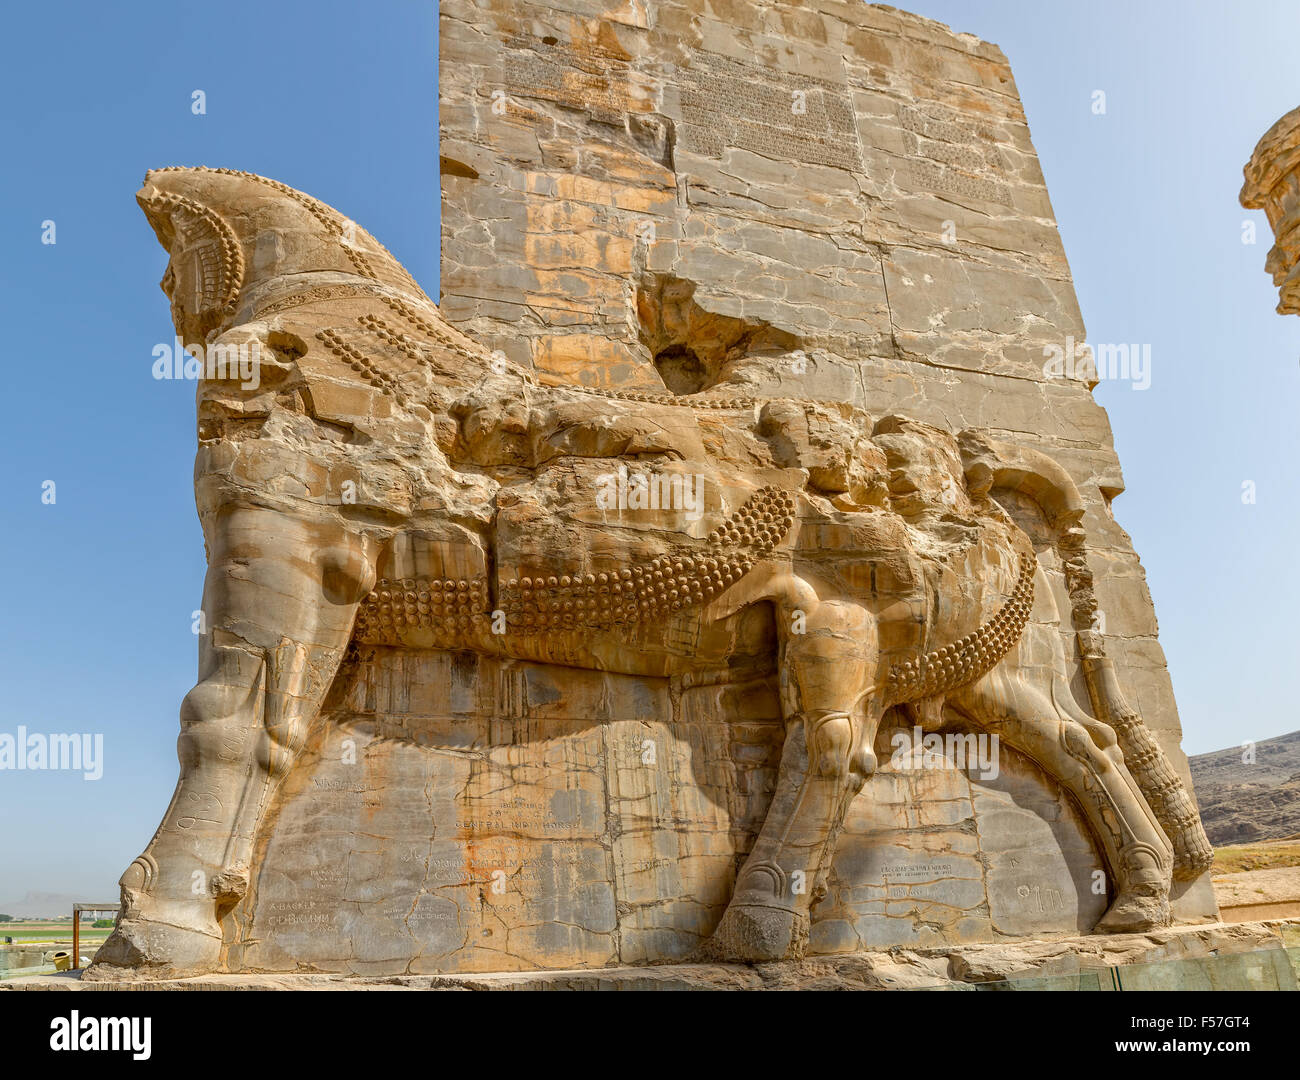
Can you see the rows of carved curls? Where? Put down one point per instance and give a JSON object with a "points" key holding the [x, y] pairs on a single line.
{"points": [[330, 220], [968, 658], [542, 601], [231, 268]]}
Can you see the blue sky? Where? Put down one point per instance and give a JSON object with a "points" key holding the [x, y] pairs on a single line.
{"points": [[339, 99]]}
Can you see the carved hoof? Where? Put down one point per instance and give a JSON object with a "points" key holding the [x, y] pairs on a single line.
{"points": [[159, 939], [749, 933], [1132, 914]]}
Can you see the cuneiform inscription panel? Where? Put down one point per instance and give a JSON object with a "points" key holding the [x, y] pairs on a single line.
{"points": [[780, 115]]}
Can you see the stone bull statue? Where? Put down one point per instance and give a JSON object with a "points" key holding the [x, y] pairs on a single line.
{"points": [[381, 480]]}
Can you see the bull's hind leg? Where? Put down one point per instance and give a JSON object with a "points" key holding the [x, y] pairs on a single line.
{"points": [[1138, 854], [828, 666], [279, 600]]}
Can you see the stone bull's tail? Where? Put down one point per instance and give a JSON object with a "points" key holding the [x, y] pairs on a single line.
{"points": [[989, 464]]}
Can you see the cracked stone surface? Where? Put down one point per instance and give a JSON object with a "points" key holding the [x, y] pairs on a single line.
{"points": [[600, 858], [898, 235], [459, 713]]}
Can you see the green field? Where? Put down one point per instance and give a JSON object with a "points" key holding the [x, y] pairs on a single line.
{"points": [[24, 931]]}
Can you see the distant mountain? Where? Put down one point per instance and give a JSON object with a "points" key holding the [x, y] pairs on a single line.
{"points": [[42, 904], [1241, 802]]}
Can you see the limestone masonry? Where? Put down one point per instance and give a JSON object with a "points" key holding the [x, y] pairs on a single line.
{"points": [[717, 573]]}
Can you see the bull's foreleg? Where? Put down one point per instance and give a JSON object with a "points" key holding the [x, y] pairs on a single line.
{"points": [[279, 599], [828, 669]]}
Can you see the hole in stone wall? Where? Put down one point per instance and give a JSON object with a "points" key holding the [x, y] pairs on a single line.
{"points": [[682, 371], [695, 348]]}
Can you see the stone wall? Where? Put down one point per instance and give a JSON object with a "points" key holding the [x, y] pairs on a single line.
{"points": [[823, 200], [597, 156], [513, 816]]}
